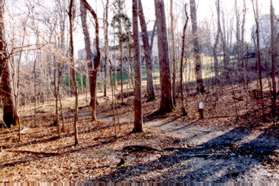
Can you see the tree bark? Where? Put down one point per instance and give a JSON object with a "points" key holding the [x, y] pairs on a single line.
{"points": [[147, 54], [166, 103], [10, 116], [243, 47], [97, 60], [258, 47], [238, 40], [196, 48], [121, 68], [273, 59], [106, 23], [182, 61], [62, 27], [137, 65], [217, 39], [89, 57], [73, 71], [225, 50], [173, 54]]}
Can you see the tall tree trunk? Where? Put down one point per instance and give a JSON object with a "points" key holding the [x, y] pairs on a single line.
{"points": [[106, 23], [137, 65], [243, 47], [217, 39], [97, 60], [258, 46], [238, 35], [196, 48], [226, 57], [173, 53], [182, 61], [56, 94], [60, 66], [10, 116], [166, 103], [89, 57], [73, 71], [35, 82], [18, 67], [154, 30], [273, 59], [147, 54], [121, 69]]}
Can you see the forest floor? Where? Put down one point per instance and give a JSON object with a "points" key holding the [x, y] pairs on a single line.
{"points": [[237, 141]]}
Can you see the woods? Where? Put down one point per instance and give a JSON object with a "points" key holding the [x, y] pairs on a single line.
{"points": [[139, 91]]}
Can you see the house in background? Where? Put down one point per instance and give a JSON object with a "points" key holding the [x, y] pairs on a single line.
{"points": [[127, 49]]}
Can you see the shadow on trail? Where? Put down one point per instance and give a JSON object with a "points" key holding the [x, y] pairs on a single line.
{"points": [[221, 159]]}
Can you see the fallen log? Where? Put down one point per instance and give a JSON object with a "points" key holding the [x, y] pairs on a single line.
{"points": [[34, 152]]}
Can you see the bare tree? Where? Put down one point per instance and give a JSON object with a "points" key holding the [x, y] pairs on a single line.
{"points": [[24, 24], [243, 47], [173, 53], [147, 54], [166, 103], [196, 48], [224, 34], [121, 24], [89, 52], [273, 59], [258, 47], [35, 79], [182, 61], [62, 26], [73, 71], [10, 116], [238, 34], [137, 65], [217, 39], [106, 29], [97, 60]]}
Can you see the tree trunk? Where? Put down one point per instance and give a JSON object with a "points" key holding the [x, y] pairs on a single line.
{"points": [[93, 88], [89, 58], [73, 71], [243, 48], [18, 67], [166, 103], [97, 60], [238, 40], [106, 23], [121, 69], [225, 50], [10, 116], [182, 61], [217, 39], [56, 94], [196, 48], [273, 60], [147, 54], [138, 101], [62, 27], [173, 54], [259, 65]]}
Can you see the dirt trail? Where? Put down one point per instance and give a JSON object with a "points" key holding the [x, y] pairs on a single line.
{"points": [[208, 154]]}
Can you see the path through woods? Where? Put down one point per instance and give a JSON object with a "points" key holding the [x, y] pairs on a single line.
{"points": [[175, 148]]}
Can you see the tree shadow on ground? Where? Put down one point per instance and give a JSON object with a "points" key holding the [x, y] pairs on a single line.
{"points": [[60, 151], [224, 158], [46, 138]]}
